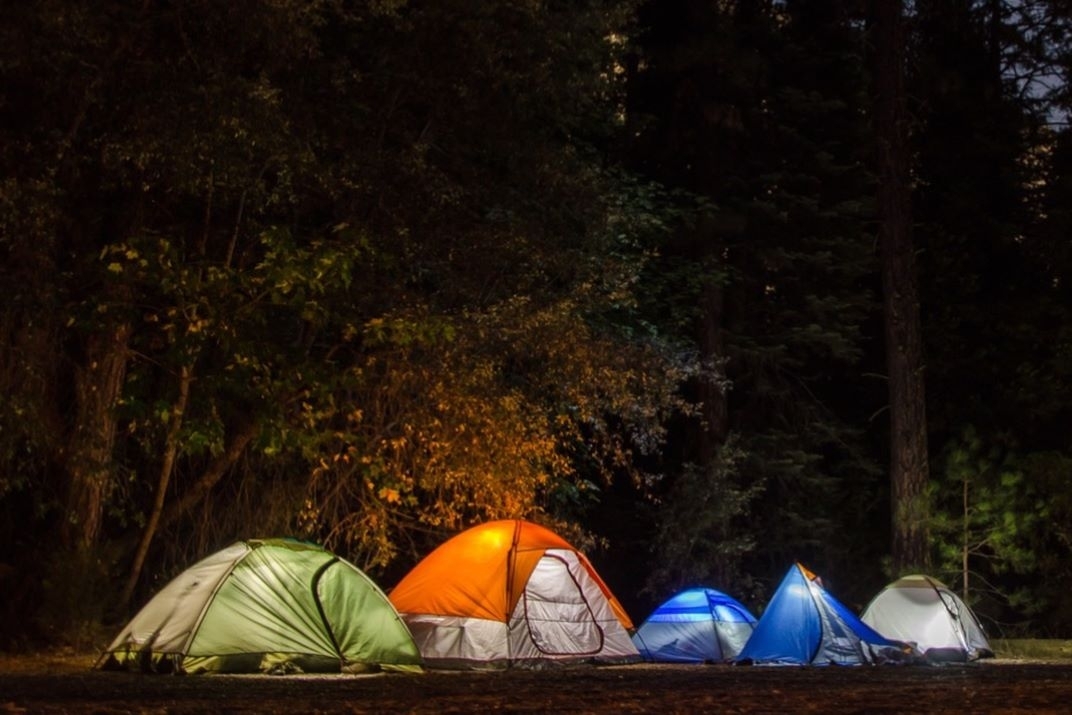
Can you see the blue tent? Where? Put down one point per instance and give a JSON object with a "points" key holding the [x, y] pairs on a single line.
{"points": [[699, 625], [805, 625]]}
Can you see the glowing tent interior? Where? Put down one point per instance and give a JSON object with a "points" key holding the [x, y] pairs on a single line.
{"points": [[921, 610], [697, 625]]}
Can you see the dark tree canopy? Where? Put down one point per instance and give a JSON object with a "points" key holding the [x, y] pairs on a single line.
{"points": [[370, 273]]}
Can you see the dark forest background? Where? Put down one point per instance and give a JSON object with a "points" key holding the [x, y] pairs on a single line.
{"points": [[367, 273]]}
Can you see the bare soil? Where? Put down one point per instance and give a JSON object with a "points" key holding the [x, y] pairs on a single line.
{"points": [[65, 685]]}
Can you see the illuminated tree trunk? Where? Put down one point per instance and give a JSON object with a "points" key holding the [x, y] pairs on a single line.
{"points": [[171, 451], [909, 471]]}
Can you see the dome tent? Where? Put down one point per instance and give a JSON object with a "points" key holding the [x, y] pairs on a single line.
{"points": [[698, 625], [511, 593], [923, 611], [266, 605], [804, 625]]}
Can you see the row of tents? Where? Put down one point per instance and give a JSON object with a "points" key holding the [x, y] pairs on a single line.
{"points": [[507, 593]]}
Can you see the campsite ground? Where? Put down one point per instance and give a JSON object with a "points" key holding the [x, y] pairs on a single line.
{"points": [[53, 684]]}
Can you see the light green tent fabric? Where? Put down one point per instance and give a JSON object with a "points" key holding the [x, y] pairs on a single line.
{"points": [[272, 605]]}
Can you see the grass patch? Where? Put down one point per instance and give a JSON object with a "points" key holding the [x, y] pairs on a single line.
{"points": [[1033, 648], [46, 662]]}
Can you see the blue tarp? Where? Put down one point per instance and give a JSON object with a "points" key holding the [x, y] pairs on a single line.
{"points": [[805, 625], [698, 625]]}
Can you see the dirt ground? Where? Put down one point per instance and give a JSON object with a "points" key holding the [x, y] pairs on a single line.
{"points": [[995, 686]]}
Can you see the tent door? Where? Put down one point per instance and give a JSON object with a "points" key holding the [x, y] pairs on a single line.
{"points": [[559, 618]]}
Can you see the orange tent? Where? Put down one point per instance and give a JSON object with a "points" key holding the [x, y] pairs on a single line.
{"points": [[511, 591]]}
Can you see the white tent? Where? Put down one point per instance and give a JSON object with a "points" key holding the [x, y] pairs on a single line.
{"points": [[921, 610]]}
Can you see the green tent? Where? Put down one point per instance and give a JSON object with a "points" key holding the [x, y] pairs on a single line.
{"points": [[266, 605]]}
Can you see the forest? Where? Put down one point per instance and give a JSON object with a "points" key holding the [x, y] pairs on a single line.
{"points": [[708, 287]]}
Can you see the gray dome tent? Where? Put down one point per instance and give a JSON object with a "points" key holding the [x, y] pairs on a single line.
{"points": [[921, 610]]}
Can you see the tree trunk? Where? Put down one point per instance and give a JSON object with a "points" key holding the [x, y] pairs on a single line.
{"points": [[909, 471], [714, 427], [90, 472], [241, 438], [171, 450], [712, 384], [965, 546]]}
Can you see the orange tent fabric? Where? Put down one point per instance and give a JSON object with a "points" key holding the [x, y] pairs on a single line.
{"points": [[482, 572]]}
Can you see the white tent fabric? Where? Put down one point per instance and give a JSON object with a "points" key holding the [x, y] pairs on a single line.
{"points": [[921, 610], [563, 613], [170, 619]]}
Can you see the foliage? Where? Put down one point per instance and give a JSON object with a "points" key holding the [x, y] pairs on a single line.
{"points": [[702, 535], [1007, 517], [492, 415], [603, 264], [992, 294], [378, 238]]}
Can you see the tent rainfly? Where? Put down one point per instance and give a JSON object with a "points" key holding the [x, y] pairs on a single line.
{"points": [[266, 605], [511, 593], [698, 625], [805, 625], [921, 610]]}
